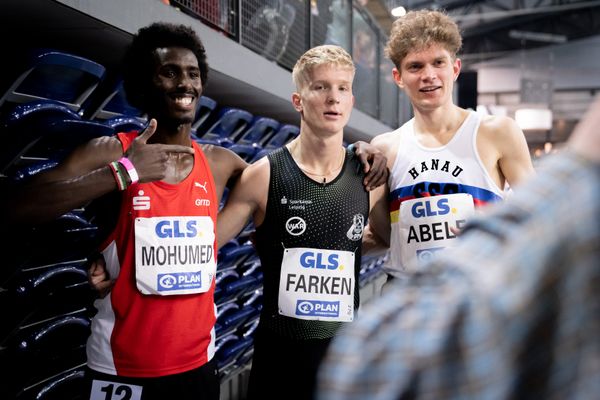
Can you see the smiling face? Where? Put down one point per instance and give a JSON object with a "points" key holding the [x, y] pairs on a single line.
{"points": [[176, 86], [325, 100], [427, 76]]}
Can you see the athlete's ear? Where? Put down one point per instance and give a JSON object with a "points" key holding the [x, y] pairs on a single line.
{"points": [[456, 67], [297, 101], [397, 77]]}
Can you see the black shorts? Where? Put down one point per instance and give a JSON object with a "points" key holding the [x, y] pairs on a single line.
{"points": [[201, 383], [284, 368]]}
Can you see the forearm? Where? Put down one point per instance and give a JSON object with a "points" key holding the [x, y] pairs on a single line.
{"points": [[373, 244], [37, 203]]}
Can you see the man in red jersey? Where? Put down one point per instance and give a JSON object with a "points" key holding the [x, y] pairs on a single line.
{"points": [[164, 191]]}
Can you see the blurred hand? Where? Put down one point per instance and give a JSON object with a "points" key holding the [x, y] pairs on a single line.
{"points": [[585, 139]]}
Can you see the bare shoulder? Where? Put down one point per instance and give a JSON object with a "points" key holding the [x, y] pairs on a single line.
{"points": [[258, 170], [221, 158], [216, 152], [498, 125], [385, 141], [253, 185]]}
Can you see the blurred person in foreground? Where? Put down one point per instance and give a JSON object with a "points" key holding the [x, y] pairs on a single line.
{"points": [[511, 312]]}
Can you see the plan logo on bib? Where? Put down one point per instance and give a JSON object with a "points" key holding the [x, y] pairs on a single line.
{"points": [[318, 308]]}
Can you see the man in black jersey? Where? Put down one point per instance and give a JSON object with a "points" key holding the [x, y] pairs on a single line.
{"points": [[310, 208]]}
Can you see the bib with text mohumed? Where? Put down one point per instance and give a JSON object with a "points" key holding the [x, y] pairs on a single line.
{"points": [[425, 226], [317, 284], [174, 255]]}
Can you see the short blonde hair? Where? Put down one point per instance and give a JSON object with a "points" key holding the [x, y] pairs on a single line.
{"points": [[417, 30], [321, 55]]}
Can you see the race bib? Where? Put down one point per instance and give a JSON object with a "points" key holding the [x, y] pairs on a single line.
{"points": [[317, 284], [174, 255], [106, 390], [425, 226]]}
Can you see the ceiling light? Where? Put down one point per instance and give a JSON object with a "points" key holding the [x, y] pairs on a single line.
{"points": [[398, 11], [535, 119], [537, 36]]}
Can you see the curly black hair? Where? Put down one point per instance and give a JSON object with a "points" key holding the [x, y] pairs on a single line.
{"points": [[139, 57]]}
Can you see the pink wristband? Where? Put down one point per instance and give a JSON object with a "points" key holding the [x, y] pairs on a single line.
{"points": [[133, 175]]}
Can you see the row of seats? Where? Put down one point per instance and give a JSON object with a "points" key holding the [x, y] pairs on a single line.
{"points": [[92, 97], [49, 109]]}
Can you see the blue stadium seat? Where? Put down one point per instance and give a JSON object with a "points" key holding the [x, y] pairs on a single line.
{"points": [[248, 230], [249, 265], [231, 316], [252, 298], [43, 130], [259, 131], [246, 151], [222, 279], [284, 134], [123, 123], [206, 106], [260, 154], [228, 348], [54, 335], [55, 75], [42, 281], [68, 384], [229, 124], [116, 104], [233, 253]]}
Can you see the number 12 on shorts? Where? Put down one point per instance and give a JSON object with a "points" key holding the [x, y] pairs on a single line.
{"points": [[105, 390]]}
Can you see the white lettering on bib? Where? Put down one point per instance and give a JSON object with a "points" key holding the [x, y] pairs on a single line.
{"points": [[174, 255], [425, 226], [317, 284]]}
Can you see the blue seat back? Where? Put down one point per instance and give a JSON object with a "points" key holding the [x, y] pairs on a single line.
{"points": [[55, 75], [125, 124], [260, 131], [285, 133], [45, 129], [206, 107], [115, 105], [228, 125], [246, 151]]}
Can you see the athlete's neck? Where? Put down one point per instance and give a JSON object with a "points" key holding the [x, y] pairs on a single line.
{"points": [[320, 159], [440, 122]]}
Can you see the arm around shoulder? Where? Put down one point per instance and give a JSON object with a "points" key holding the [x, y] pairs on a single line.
{"points": [[247, 198]]}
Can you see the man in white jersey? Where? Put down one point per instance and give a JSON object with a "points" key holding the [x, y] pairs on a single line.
{"points": [[443, 151]]}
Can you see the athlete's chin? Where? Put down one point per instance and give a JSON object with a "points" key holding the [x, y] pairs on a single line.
{"points": [[182, 120]]}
